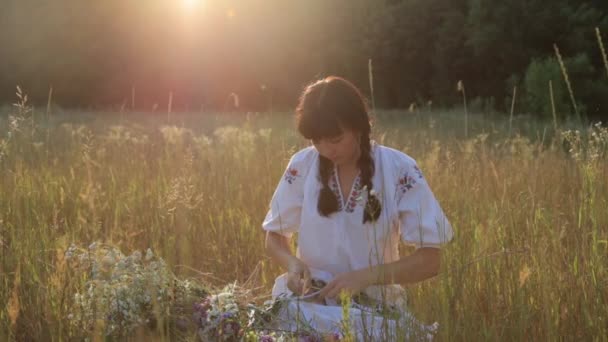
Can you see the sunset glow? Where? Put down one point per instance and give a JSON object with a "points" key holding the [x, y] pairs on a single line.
{"points": [[191, 4]]}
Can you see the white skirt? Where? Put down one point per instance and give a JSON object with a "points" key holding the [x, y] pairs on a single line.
{"points": [[364, 323]]}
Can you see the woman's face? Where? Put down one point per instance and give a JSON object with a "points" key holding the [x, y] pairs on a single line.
{"points": [[341, 149]]}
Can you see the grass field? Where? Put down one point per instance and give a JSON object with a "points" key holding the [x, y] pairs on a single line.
{"points": [[529, 260]]}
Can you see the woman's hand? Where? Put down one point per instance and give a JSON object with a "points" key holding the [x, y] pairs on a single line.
{"points": [[298, 276], [418, 266], [350, 282]]}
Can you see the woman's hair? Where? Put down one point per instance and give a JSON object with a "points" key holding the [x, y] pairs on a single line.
{"points": [[325, 109]]}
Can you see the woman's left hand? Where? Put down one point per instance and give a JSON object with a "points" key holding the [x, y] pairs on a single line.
{"points": [[351, 282]]}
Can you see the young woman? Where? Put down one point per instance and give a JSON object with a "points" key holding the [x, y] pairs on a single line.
{"points": [[351, 201]]}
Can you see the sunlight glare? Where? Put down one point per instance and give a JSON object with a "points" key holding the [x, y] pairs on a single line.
{"points": [[191, 4]]}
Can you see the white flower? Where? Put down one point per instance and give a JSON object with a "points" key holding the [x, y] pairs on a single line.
{"points": [[221, 298], [136, 256], [70, 252], [149, 255], [108, 261]]}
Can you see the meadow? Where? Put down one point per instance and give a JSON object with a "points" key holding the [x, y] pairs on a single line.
{"points": [[528, 202]]}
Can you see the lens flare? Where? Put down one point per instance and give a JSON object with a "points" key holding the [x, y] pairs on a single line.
{"points": [[191, 4]]}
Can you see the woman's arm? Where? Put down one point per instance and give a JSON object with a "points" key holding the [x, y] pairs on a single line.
{"points": [[420, 265], [277, 248], [298, 274]]}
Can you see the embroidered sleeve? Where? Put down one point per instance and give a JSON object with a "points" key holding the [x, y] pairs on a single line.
{"points": [[423, 222], [408, 179], [285, 209], [291, 175]]}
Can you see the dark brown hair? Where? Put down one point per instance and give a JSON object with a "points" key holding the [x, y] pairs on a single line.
{"points": [[325, 109]]}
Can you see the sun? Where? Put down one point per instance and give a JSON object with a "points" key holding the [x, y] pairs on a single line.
{"points": [[191, 4]]}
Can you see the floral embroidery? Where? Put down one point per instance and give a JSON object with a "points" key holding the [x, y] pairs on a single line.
{"points": [[418, 172], [333, 184], [354, 197], [291, 174], [406, 182]]}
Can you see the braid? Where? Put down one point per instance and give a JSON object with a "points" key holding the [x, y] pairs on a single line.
{"points": [[373, 207], [328, 203]]}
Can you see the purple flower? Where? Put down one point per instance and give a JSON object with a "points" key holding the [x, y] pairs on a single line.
{"points": [[309, 338], [203, 306], [230, 328], [266, 338], [182, 324], [200, 318], [200, 312]]}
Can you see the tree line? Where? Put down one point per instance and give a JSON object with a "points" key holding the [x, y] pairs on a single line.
{"points": [[263, 52]]}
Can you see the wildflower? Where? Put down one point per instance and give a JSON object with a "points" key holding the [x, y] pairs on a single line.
{"points": [[149, 255], [309, 338], [69, 253], [230, 328], [266, 338], [108, 261], [136, 256]]}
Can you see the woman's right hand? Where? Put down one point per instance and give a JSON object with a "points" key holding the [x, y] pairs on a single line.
{"points": [[298, 276]]}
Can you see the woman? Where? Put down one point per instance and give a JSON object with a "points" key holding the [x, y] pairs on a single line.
{"points": [[351, 201]]}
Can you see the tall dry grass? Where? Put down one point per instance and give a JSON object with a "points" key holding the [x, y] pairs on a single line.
{"points": [[528, 260]]}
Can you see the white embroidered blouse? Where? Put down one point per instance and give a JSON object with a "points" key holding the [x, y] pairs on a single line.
{"points": [[341, 242]]}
